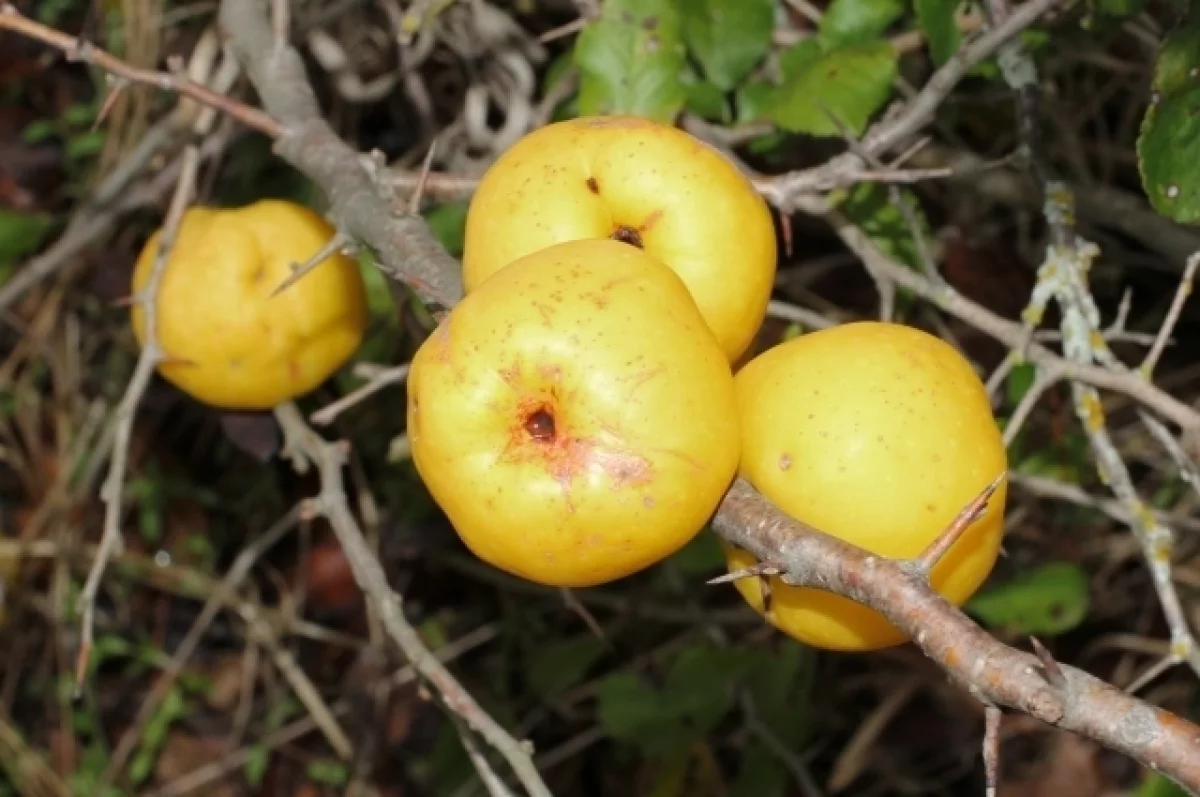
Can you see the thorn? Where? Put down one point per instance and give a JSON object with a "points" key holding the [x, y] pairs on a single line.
{"points": [[81, 663], [968, 515], [785, 224], [330, 248], [1050, 669], [167, 359], [414, 202], [760, 569], [118, 85]]}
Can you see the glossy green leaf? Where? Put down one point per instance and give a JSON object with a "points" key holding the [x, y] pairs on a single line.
{"points": [[728, 37], [857, 21], [1178, 58], [936, 18], [1049, 600], [1168, 151], [850, 83], [631, 60]]}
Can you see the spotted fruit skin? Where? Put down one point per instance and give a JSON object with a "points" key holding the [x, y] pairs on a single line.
{"points": [[574, 417], [228, 342], [599, 176], [878, 434]]}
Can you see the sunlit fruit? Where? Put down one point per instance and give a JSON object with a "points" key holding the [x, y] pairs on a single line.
{"points": [[878, 434], [227, 341], [641, 182], [574, 416]]}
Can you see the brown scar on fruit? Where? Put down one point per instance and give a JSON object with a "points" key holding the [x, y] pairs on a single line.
{"points": [[628, 235], [593, 185], [651, 220], [539, 437]]}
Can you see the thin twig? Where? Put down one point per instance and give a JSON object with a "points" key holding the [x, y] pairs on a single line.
{"points": [[329, 459], [151, 355], [217, 599], [1164, 332], [77, 50], [388, 376]]}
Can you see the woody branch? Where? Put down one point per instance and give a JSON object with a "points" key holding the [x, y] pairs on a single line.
{"points": [[408, 252]]}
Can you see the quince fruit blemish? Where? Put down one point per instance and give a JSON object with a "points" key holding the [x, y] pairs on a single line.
{"points": [[228, 342], [878, 434], [641, 182], [573, 416]]}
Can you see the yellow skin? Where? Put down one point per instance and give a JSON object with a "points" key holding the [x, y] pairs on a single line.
{"points": [[594, 177], [878, 434], [562, 447], [230, 344]]}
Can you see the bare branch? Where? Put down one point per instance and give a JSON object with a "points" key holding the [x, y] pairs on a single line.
{"points": [[407, 250], [76, 50], [329, 459], [984, 666]]}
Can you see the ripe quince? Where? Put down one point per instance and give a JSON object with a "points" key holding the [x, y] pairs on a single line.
{"points": [[574, 416], [638, 181], [878, 434], [229, 343]]}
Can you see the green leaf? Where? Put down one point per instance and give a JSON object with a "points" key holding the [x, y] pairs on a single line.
{"points": [[1168, 150], [699, 557], [379, 292], [449, 224], [1020, 379], [799, 57], [937, 21], [631, 60], [328, 772], [708, 102], [754, 100], [1178, 57], [21, 234], [629, 712], [699, 692], [1049, 600], [561, 665], [870, 207], [760, 774], [1159, 785], [857, 21], [852, 83], [1118, 10], [728, 37]]}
